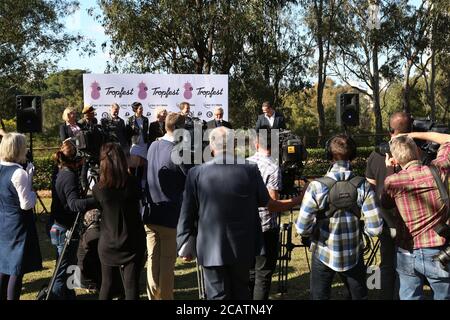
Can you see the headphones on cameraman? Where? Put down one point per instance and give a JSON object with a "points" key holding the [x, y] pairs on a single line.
{"points": [[350, 143]]}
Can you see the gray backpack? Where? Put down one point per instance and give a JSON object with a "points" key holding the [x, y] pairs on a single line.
{"points": [[342, 196]]}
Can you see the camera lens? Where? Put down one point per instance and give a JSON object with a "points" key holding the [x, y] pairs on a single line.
{"points": [[443, 257]]}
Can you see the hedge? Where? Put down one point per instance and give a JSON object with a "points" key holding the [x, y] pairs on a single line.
{"points": [[316, 165]]}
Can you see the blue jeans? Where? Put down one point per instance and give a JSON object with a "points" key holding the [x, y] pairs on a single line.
{"points": [[416, 266], [60, 290]]}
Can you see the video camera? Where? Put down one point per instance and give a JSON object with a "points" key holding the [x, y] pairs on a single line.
{"points": [[292, 156], [430, 148], [89, 141]]}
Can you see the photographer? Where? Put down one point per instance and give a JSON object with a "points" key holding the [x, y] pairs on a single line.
{"points": [[66, 202], [415, 192], [399, 122], [337, 239], [93, 138], [114, 129], [19, 244]]}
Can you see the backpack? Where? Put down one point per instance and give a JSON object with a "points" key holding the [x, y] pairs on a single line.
{"points": [[342, 196]]}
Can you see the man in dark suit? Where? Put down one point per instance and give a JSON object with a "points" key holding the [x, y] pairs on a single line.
{"points": [[270, 118], [157, 128], [225, 220], [218, 120]]}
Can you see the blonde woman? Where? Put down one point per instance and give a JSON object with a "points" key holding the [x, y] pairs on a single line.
{"points": [[70, 127], [19, 245]]}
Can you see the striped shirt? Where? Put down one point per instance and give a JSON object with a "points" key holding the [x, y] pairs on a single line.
{"points": [[271, 174], [339, 242], [418, 200]]}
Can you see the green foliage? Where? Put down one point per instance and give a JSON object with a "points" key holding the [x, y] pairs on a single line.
{"points": [[62, 89], [43, 174], [32, 40]]}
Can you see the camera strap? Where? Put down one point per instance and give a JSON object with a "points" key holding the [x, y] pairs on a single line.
{"points": [[442, 187]]}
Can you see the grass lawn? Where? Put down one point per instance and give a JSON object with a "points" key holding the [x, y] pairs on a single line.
{"points": [[185, 273]]}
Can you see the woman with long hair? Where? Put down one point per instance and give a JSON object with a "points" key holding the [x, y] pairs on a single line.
{"points": [[19, 244], [122, 235], [67, 201]]}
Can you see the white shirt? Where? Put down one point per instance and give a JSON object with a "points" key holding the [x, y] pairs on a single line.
{"points": [[270, 119], [22, 182], [168, 137]]}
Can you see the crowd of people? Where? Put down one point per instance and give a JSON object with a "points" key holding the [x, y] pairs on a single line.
{"points": [[148, 208]]}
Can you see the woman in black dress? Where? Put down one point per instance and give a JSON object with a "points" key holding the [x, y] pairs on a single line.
{"points": [[122, 235]]}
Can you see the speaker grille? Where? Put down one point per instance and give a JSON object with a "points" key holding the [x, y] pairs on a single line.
{"points": [[29, 113]]}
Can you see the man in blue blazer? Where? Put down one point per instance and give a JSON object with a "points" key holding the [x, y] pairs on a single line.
{"points": [[270, 118], [225, 219]]}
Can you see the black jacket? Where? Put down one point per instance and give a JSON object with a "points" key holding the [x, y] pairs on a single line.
{"points": [[134, 131], [66, 198], [213, 124], [278, 123]]}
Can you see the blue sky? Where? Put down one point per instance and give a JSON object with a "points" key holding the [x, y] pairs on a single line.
{"points": [[82, 23]]}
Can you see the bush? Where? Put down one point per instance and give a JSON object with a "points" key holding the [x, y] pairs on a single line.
{"points": [[316, 166]]}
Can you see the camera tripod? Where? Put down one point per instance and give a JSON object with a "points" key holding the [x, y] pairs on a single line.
{"points": [[46, 291]]}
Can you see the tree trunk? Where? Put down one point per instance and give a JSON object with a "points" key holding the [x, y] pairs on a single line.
{"points": [[321, 76], [406, 88], [376, 95]]}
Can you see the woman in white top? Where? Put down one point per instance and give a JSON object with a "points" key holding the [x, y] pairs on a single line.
{"points": [[19, 245]]}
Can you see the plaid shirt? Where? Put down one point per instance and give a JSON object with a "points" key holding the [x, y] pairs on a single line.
{"points": [[339, 243], [271, 174], [418, 201]]}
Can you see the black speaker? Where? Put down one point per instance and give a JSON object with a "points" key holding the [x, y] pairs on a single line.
{"points": [[29, 113], [347, 109]]}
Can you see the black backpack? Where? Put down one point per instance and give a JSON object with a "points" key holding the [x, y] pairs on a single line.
{"points": [[342, 196]]}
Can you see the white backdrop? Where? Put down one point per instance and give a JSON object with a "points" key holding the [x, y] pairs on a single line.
{"points": [[203, 92]]}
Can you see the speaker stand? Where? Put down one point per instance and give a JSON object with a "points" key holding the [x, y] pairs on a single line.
{"points": [[44, 209]]}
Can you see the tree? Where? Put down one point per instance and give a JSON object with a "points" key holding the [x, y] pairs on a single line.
{"points": [[32, 40], [321, 19], [255, 42], [356, 53]]}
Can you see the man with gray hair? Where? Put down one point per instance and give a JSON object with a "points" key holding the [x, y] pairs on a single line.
{"points": [[225, 219], [218, 120], [415, 192]]}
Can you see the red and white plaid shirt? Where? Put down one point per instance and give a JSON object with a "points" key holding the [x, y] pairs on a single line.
{"points": [[419, 203]]}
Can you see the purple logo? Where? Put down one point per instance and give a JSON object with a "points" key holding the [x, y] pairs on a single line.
{"points": [[95, 90], [187, 90], [142, 94]]}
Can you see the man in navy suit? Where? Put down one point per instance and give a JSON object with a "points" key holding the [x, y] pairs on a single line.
{"points": [[225, 219], [218, 120], [270, 118]]}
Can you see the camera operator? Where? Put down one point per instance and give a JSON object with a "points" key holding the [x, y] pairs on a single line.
{"points": [[336, 235], [66, 202], [114, 129], [399, 122], [262, 270], [415, 192], [94, 139]]}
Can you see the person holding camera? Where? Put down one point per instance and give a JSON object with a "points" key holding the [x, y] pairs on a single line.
{"points": [[399, 122], [414, 190], [19, 244], [67, 201], [225, 219], [115, 130], [335, 227], [265, 264]]}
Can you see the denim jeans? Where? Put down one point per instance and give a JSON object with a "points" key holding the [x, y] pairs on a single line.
{"points": [[416, 266], [60, 290], [322, 276]]}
